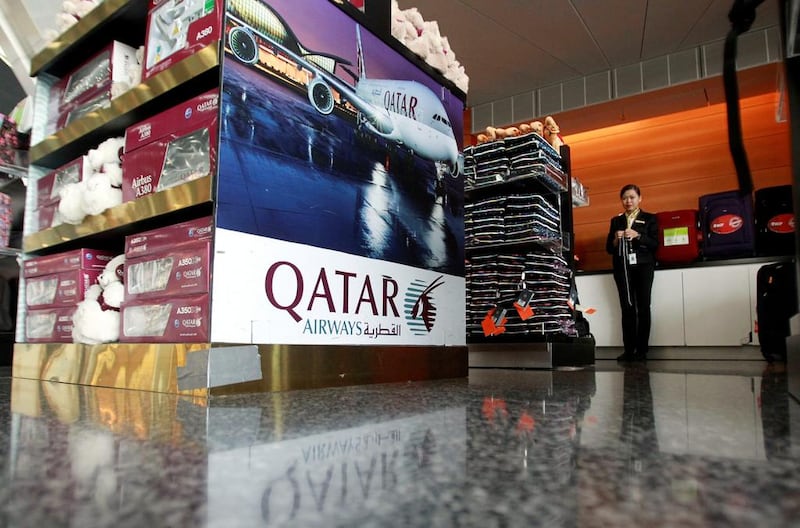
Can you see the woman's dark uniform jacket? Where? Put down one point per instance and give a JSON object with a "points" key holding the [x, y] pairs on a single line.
{"points": [[645, 247]]}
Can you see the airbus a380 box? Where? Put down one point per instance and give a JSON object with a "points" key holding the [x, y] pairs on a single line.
{"points": [[177, 29], [171, 148]]}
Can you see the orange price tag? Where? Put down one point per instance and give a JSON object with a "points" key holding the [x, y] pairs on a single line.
{"points": [[490, 328], [524, 313]]}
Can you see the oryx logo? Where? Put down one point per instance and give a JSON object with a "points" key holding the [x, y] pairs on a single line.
{"points": [[419, 307]]}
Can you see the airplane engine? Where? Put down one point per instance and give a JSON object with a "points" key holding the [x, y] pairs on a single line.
{"points": [[321, 96], [243, 45]]}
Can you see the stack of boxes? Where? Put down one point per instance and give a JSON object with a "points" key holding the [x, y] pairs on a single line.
{"points": [[54, 285], [167, 283], [6, 219]]}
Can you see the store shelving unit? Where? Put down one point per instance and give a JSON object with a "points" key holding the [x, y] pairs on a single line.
{"points": [[197, 369], [531, 349]]}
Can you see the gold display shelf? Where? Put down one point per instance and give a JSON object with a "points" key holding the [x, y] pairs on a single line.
{"points": [[145, 366], [186, 195], [92, 22], [204, 369], [122, 113]]}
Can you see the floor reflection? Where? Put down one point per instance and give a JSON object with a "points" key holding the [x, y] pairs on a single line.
{"points": [[599, 447]]}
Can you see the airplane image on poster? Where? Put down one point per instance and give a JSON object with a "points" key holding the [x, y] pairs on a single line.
{"points": [[403, 112]]}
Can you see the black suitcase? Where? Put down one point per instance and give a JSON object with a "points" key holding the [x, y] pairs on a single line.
{"points": [[774, 218], [776, 288]]}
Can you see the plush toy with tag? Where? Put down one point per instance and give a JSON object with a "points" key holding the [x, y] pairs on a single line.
{"points": [[96, 320]]}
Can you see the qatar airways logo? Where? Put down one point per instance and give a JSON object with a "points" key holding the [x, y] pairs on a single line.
{"points": [[342, 292], [420, 307]]}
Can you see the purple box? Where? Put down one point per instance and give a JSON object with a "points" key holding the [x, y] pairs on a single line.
{"points": [[59, 289], [49, 325], [87, 259], [166, 320], [147, 242], [173, 147]]}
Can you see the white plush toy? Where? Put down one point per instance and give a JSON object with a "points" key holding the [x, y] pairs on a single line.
{"points": [[96, 320], [64, 21], [70, 207], [425, 40], [78, 8], [101, 190], [71, 12], [109, 151], [99, 194]]}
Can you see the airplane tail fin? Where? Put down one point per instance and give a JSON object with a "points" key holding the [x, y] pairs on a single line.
{"points": [[362, 70]]}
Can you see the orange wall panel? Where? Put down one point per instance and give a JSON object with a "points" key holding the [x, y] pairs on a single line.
{"points": [[674, 159]]}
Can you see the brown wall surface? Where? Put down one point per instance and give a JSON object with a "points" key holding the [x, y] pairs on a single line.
{"points": [[673, 144], [674, 159]]}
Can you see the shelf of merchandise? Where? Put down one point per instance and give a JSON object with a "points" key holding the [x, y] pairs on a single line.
{"points": [[12, 172], [125, 218], [194, 369], [9, 174], [534, 349], [125, 19], [160, 91]]}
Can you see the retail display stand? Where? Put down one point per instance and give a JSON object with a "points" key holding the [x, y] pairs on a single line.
{"points": [[335, 255], [521, 297]]}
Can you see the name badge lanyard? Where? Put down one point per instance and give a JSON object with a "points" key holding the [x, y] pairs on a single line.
{"points": [[623, 247]]}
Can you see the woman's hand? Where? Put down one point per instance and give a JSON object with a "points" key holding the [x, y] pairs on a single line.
{"points": [[630, 234]]}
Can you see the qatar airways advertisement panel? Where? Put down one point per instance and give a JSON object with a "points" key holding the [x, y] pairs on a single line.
{"points": [[339, 199]]}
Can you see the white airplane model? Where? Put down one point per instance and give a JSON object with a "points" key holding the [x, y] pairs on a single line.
{"points": [[405, 112]]}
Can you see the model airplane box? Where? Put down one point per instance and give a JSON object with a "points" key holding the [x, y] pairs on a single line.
{"points": [[147, 242], [91, 85], [49, 186], [179, 270], [49, 325], [67, 288], [48, 216], [87, 259], [166, 320], [171, 148], [177, 29], [59, 121]]}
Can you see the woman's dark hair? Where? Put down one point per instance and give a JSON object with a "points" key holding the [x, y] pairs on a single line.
{"points": [[630, 187]]}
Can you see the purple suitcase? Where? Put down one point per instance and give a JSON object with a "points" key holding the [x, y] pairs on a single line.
{"points": [[726, 221]]}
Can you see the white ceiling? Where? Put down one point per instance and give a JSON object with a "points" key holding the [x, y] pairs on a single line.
{"points": [[513, 46], [507, 47]]}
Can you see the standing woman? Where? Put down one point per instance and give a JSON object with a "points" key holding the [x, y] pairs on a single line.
{"points": [[632, 242]]}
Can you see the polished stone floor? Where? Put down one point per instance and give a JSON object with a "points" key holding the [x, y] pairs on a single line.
{"points": [[664, 444]]}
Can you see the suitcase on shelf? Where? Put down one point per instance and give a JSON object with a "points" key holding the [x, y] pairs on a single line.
{"points": [[774, 220], [678, 236], [776, 303], [727, 226]]}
